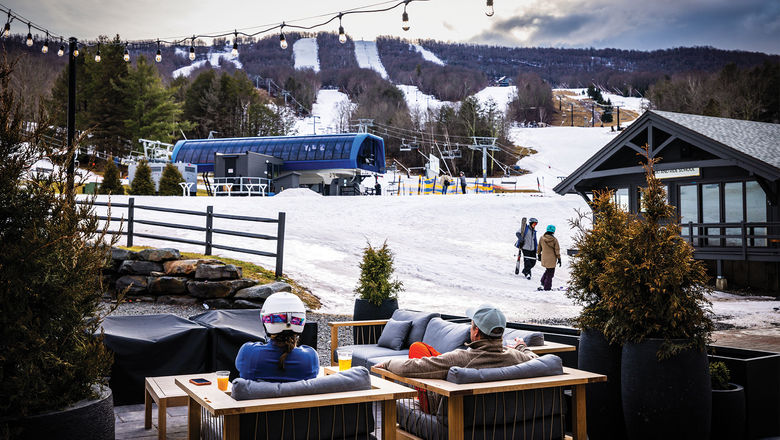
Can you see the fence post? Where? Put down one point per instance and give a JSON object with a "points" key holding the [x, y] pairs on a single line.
{"points": [[130, 209], [209, 226], [280, 244]]}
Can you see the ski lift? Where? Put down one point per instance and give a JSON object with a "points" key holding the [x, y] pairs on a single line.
{"points": [[405, 146], [451, 153]]}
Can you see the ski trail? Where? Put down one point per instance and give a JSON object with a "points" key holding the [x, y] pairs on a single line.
{"points": [[305, 54], [367, 57]]}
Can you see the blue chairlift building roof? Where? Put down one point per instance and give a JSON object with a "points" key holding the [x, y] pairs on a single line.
{"points": [[299, 153]]}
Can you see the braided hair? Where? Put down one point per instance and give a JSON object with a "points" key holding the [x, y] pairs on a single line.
{"points": [[287, 340]]}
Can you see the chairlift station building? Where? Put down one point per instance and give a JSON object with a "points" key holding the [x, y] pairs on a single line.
{"points": [[722, 175]]}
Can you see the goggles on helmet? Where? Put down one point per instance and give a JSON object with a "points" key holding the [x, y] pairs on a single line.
{"points": [[276, 318]]}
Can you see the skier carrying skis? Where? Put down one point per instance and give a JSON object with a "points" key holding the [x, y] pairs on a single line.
{"points": [[526, 242], [549, 253]]}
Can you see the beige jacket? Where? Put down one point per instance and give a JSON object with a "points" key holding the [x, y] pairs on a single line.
{"points": [[549, 250], [485, 353]]}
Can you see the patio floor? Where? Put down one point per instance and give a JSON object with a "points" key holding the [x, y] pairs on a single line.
{"points": [[130, 422]]}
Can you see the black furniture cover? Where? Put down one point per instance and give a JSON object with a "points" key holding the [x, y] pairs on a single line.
{"points": [[148, 346]]}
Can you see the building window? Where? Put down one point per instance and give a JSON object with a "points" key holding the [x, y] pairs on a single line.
{"points": [[755, 201], [621, 198], [710, 210], [733, 202], [689, 207]]}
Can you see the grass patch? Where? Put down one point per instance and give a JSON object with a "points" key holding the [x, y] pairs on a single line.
{"points": [[252, 271]]}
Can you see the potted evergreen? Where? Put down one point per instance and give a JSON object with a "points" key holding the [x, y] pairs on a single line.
{"points": [[377, 292], [651, 301], [728, 405], [52, 369]]}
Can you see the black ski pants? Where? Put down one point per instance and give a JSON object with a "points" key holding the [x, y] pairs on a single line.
{"points": [[529, 261]]}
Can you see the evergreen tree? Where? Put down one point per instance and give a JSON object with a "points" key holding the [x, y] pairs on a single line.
{"points": [[111, 183], [142, 184], [375, 272], [607, 115], [169, 181]]}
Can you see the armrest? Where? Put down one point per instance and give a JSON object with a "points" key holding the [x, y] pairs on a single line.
{"points": [[334, 332]]}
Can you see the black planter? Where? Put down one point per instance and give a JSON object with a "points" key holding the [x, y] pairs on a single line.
{"points": [[365, 311], [604, 407], [665, 399], [728, 413], [84, 420]]}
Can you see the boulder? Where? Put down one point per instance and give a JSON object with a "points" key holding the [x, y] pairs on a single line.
{"points": [[182, 300], [219, 303], [207, 271], [139, 267], [159, 255], [263, 291], [168, 285], [180, 267], [244, 304], [136, 283], [122, 254], [243, 283], [209, 289]]}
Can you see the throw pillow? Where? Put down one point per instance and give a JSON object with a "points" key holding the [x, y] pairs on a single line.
{"points": [[394, 334]]}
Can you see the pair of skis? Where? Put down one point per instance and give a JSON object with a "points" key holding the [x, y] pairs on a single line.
{"points": [[520, 247]]}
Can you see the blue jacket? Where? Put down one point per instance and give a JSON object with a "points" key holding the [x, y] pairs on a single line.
{"points": [[527, 241], [258, 361]]}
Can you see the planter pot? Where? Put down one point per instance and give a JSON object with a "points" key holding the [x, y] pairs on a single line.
{"points": [[365, 311], [665, 399], [728, 413], [604, 407], [84, 420]]}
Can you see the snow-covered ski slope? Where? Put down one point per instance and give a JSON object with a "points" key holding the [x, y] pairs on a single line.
{"points": [[629, 103], [213, 57], [367, 57], [428, 55], [305, 54], [330, 108], [502, 96], [419, 102]]}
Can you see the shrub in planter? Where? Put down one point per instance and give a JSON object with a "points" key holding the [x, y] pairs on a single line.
{"points": [[728, 404], [50, 275], [377, 291]]}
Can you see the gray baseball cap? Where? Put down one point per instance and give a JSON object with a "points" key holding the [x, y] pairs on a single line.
{"points": [[488, 319]]}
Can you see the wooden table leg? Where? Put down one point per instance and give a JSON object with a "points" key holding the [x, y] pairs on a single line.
{"points": [[230, 427], [334, 344], [455, 417], [147, 408], [579, 419], [193, 420], [388, 419], [162, 423]]}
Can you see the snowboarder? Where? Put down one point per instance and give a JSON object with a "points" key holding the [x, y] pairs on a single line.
{"points": [[526, 242], [463, 182], [549, 253]]}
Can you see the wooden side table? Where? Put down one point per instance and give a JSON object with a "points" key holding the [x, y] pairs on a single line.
{"points": [[164, 392]]}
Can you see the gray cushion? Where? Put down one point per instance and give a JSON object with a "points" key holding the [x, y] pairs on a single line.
{"points": [[354, 379], [446, 336], [547, 365], [361, 353], [394, 334], [419, 323], [370, 362], [532, 339]]}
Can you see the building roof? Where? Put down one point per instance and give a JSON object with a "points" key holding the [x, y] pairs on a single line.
{"points": [[760, 140], [340, 151]]}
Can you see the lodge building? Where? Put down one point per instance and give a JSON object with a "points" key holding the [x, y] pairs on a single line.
{"points": [[722, 175]]}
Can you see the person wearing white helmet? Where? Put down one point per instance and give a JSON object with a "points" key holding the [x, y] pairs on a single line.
{"points": [[279, 360], [526, 241]]}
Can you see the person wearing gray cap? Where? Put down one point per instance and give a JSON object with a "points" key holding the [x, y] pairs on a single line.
{"points": [[485, 350], [526, 239]]}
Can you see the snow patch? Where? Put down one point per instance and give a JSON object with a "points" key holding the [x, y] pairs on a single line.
{"points": [[502, 96], [305, 54], [332, 108], [367, 56], [428, 55], [419, 102], [638, 105], [298, 192], [215, 58]]}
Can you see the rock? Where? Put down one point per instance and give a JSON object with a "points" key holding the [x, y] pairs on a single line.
{"points": [[168, 285], [180, 267], [157, 274], [219, 303], [122, 254], [206, 271], [243, 283], [159, 255], [209, 289], [244, 304], [136, 283], [262, 291], [139, 267], [177, 300]]}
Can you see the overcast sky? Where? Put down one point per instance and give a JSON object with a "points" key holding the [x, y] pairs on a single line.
{"points": [[752, 25]]}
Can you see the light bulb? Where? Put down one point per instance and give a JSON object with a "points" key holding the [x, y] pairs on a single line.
{"points": [[126, 56], [45, 47], [489, 11], [234, 52], [158, 57], [29, 40], [342, 35], [7, 30], [282, 41], [192, 53], [97, 56], [405, 21], [76, 52], [61, 52]]}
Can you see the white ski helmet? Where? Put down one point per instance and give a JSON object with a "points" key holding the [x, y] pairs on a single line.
{"points": [[283, 311]]}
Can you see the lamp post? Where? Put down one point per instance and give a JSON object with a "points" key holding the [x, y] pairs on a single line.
{"points": [[71, 113]]}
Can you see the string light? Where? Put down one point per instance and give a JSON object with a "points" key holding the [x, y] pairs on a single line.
{"points": [[29, 36], [97, 54], [234, 52], [126, 55], [342, 35], [158, 57], [192, 49], [7, 28], [405, 18], [282, 40], [45, 47], [61, 52], [76, 51], [489, 11]]}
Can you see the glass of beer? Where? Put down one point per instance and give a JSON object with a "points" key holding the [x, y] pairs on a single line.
{"points": [[223, 377], [345, 359]]}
